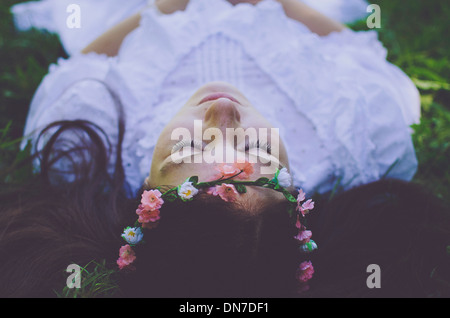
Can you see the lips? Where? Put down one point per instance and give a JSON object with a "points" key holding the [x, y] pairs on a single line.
{"points": [[215, 96]]}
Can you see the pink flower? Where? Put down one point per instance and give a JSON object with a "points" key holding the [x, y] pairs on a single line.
{"points": [[308, 205], [305, 207], [305, 272], [147, 216], [227, 171], [140, 209], [303, 236], [151, 200], [300, 196], [246, 168], [212, 191], [227, 192], [126, 257]]}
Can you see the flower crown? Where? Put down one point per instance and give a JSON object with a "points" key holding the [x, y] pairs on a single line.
{"points": [[228, 184]]}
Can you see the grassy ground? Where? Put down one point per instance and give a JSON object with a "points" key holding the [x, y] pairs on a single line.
{"points": [[414, 31]]}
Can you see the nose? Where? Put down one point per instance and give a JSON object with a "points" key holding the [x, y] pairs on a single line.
{"points": [[223, 113]]}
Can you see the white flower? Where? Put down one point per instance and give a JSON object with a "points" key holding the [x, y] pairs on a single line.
{"points": [[187, 191], [132, 235], [284, 178]]}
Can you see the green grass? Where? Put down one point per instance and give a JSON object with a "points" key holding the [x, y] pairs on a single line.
{"points": [[24, 59], [97, 280], [415, 32]]}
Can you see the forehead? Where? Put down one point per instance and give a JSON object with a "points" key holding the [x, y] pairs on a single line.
{"points": [[175, 173]]}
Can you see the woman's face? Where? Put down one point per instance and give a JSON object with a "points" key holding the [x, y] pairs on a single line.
{"points": [[216, 125]]}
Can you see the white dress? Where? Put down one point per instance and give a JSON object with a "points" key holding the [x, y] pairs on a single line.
{"points": [[343, 111]]}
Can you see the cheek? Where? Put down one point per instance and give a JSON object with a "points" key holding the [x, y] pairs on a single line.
{"points": [[180, 127]]}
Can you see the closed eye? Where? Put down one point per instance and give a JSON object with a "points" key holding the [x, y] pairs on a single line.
{"points": [[187, 143], [265, 146], [197, 144]]}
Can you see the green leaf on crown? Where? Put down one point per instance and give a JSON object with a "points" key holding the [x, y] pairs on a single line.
{"points": [[241, 188], [193, 179], [261, 181], [289, 196], [170, 197]]}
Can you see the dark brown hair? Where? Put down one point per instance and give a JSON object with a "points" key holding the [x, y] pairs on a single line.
{"points": [[208, 248], [47, 224], [397, 225], [211, 248]]}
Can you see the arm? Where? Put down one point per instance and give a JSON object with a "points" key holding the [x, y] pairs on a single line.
{"points": [[109, 43], [312, 19]]}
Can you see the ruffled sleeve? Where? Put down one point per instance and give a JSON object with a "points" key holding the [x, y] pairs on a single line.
{"points": [[60, 94], [79, 89]]}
